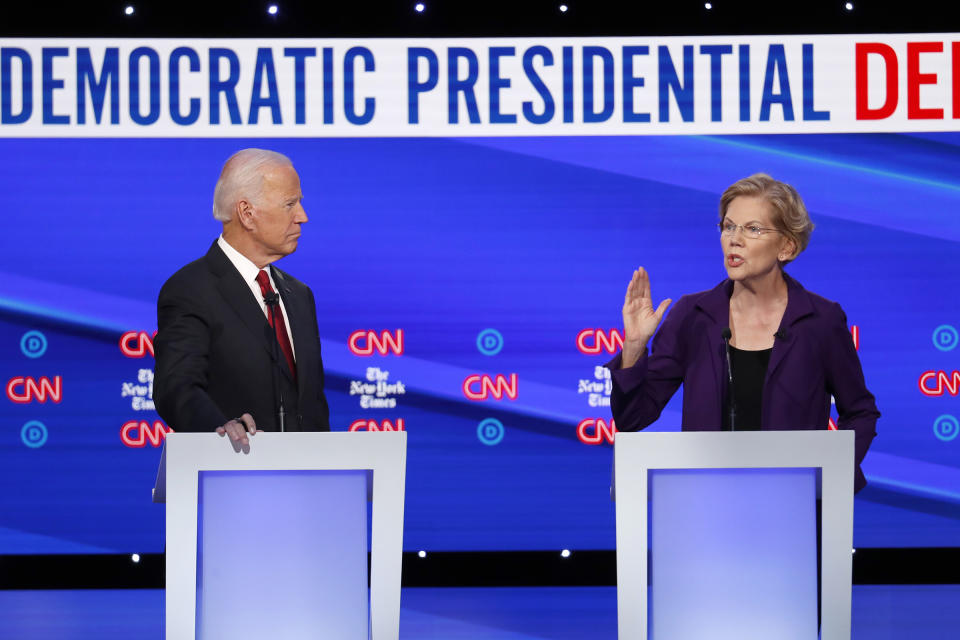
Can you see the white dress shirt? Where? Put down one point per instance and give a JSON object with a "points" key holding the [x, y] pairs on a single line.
{"points": [[248, 271]]}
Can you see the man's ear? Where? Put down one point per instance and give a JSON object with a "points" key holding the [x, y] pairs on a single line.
{"points": [[244, 211]]}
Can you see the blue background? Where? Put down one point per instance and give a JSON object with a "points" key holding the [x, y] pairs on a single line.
{"points": [[535, 237]]}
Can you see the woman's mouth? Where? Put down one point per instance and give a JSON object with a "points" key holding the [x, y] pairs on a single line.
{"points": [[733, 260]]}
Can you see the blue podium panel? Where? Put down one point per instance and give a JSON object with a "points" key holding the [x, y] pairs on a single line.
{"points": [[733, 554], [282, 554]]}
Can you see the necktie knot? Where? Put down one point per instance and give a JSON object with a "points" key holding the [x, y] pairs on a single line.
{"points": [[264, 281]]}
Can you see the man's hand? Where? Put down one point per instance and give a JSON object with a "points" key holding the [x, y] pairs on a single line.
{"points": [[238, 429]]}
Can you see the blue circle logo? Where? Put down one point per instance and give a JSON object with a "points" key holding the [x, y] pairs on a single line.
{"points": [[34, 434], [946, 427], [33, 344], [490, 431], [489, 342], [945, 337]]}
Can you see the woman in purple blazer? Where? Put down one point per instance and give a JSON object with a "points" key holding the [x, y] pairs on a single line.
{"points": [[788, 350]]}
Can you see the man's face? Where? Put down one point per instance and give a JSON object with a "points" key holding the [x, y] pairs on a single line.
{"points": [[278, 214]]}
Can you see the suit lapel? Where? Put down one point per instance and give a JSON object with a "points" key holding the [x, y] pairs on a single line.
{"points": [[237, 294], [298, 327]]}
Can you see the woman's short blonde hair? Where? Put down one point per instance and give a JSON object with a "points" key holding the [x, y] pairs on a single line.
{"points": [[789, 214]]}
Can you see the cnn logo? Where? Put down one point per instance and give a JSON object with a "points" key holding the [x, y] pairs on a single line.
{"points": [[594, 341], [136, 344], [364, 342], [937, 383], [481, 386], [596, 431], [136, 434], [373, 425], [22, 390]]}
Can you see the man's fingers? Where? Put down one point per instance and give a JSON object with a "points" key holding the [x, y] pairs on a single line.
{"points": [[246, 420]]}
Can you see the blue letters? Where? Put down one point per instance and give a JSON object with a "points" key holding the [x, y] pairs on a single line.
{"points": [[716, 53], [87, 76], [194, 114], [134, 69], [300, 55], [548, 107], [589, 53], [809, 113], [257, 101], [50, 83], [414, 86], [328, 85], [7, 116], [776, 63], [227, 87], [668, 82], [744, 83], [631, 82], [369, 104], [568, 84], [466, 86], [497, 83]]}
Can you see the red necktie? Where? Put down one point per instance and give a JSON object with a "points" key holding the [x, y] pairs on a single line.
{"points": [[277, 322]]}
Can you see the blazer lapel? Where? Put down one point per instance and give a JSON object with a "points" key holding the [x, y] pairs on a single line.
{"points": [[237, 294], [298, 327], [798, 307], [715, 303]]}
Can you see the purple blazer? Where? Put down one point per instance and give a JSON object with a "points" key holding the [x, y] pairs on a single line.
{"points": [[813, 358]]}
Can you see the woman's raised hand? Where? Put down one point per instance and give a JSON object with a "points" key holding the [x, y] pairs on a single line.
{"points": [[640, 320]]}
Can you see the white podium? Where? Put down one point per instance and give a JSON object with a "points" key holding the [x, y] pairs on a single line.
{"points": [[717, 534], [273, 543]]}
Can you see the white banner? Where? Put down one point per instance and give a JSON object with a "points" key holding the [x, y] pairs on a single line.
{"points": [[479, 86]]}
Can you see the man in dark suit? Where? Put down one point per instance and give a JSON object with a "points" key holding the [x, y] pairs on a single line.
{"points": [[233, 356]]}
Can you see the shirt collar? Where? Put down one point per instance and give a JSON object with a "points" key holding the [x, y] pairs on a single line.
{"points": [[248, 270]]}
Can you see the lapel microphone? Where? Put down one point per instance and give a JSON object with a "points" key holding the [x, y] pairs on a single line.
{"points": [[272, 299], [781, 334], [731, 402]]}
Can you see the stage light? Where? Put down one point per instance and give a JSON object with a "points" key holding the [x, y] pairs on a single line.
{"points": [[563, 8], [848, 6], [708, 6], [272, 9], [422, 554], [128, 10], [854, 550], [565, 553], [419, 7], [136, 558]]}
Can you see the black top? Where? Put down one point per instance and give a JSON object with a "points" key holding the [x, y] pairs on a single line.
{"points": [[749, 371]]}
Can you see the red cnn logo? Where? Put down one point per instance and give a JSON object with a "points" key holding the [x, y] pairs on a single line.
{"points": [[855, 334], [943, 383], [371, 425], [592, 341], [481, 387], [136, 434], [596, 431], [136, 344], [363, 342], [23, 390]]}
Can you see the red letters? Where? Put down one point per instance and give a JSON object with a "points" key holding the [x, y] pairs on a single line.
{"points": [[915, 79], [22, 390], [136, 344], [481, 387], [864, 49], [600, 432], [371, 425], [136, 434], [363, 342], [592, 341], [943, 383]]}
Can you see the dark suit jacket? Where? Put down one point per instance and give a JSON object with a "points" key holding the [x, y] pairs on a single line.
{"points": [[215, 355], [813, 360]]}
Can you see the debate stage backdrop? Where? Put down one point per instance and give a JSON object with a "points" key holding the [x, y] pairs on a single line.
{"points": [[476, 210]]}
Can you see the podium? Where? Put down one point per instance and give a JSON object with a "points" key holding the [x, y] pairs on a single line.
{"points": [[717, 534], [273, 542]]}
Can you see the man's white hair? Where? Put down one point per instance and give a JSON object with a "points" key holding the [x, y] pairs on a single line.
{"points": [[242, 178]]}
